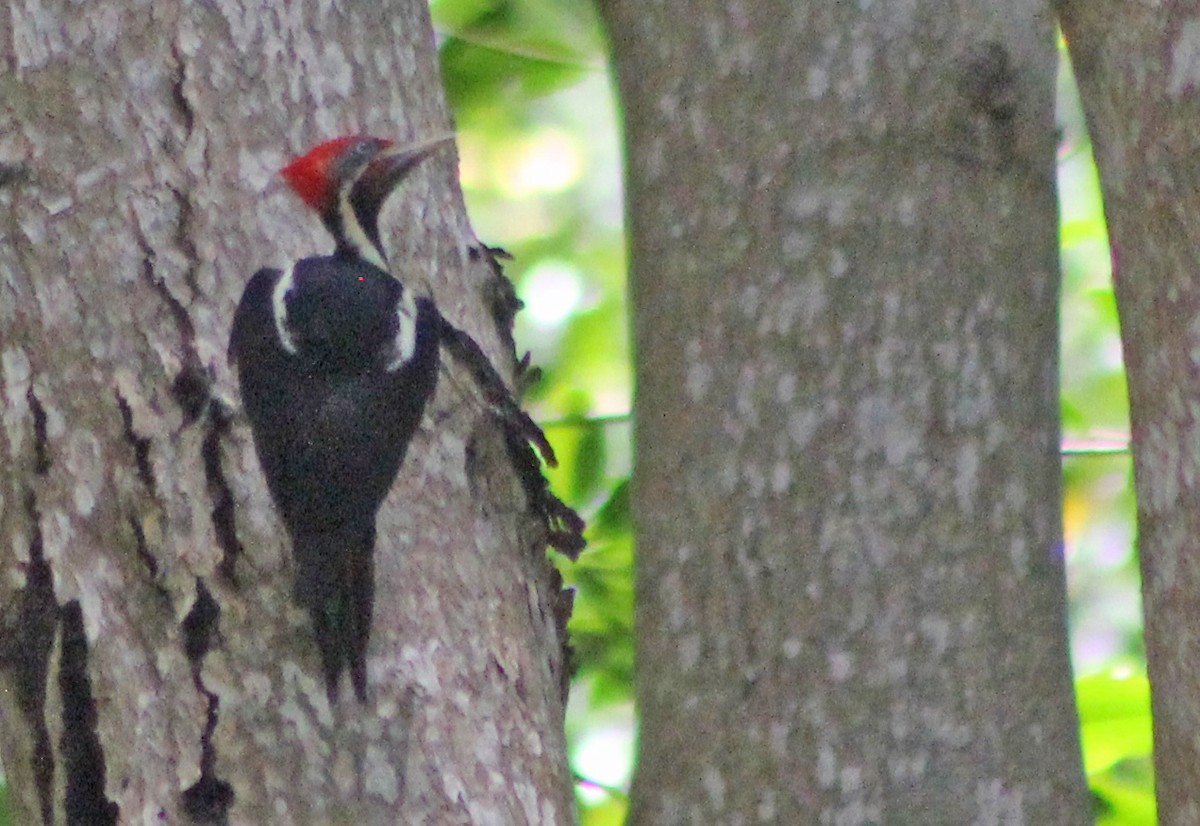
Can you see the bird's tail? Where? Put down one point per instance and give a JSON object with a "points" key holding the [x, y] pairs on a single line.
{"points": [[335, 583]]}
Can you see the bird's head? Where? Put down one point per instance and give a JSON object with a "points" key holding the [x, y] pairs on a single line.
{"points": [[347, 180]]}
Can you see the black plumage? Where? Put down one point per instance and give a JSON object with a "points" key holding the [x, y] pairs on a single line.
{"points": [[335, 364]]}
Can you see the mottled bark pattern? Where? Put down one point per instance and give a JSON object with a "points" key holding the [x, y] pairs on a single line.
{"points": [[1138, 69], [152, 665], [847, 492]]}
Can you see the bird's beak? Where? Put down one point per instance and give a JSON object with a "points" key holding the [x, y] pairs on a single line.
{"points": [[393, 164]]}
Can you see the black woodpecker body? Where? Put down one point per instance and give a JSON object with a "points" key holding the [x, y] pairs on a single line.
{"points": [[336, 360]]}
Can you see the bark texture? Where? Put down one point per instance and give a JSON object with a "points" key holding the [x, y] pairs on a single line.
{"points": [[1138, 69], [850, 595], [152, 666]]}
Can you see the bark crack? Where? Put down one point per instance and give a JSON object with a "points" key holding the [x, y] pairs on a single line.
{"points": [[179, 313], [140, 445], [209, 798], [183, 239], [82, 753], [41, 452], [192, 389], [192, 386], [219, 491], [28, 627], [183, 104], [142, 548], [26, 639]]}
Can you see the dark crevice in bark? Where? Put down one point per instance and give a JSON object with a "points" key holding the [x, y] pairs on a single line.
{"points": [[183, 239], [143, 550], [183, 105], [209, 799], [41, 452], [140, 445], [183, 200], [192, 389], [82, 753], [179, 313], [14, 174], [472, 467], [224, 524], [145, 470], [183, 321], [200, 625], [29, 624], [26, 640]]}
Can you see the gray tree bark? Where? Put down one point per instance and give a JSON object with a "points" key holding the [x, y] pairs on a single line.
{"points": [[152, 666], [1138, 70], [850, 594]]}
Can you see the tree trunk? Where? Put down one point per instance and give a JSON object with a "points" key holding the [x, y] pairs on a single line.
{"points": [[1139, 73], [850, 594], [154, 668]]}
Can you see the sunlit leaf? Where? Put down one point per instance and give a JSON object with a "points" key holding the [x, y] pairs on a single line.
{"points": [[1125, 795]]}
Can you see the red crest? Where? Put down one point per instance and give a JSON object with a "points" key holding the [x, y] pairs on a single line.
{"points": [[311, 175]]}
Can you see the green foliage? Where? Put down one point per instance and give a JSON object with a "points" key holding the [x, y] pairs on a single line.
{"points": [[505, 52], [610, 812], [602, 627], [1115, 729]]}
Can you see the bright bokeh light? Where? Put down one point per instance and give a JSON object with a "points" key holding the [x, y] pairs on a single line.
{"points": [[604, 755], [552, 290], [549, 160]]}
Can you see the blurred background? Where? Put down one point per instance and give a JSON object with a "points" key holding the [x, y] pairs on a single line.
{"points": [[537, 117]]}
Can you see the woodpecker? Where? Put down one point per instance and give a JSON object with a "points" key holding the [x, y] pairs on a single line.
{"points": [[336, 359]]}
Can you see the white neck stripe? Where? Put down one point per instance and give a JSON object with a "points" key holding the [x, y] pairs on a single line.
{"points": [[355, 235], [279, 307], [405, 344]]}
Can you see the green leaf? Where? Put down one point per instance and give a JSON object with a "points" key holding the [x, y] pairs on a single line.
{"points": [[1114, 716], [590, 460], [1125, 794], [614, 517], [610, 812]]}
